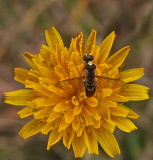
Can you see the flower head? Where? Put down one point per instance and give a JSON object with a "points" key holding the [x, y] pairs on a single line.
{"points": [[56, 98]]}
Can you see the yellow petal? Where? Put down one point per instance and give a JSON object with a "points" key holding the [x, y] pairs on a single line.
{"points": [[65, 56], [48, 101], [63, 125], [80, 130], [118, 111], [108, 124], [39, 62], [53, 38], [38, 88], [79, 43], [72, 70], [63, 106], [131, 114], [55, 56], [72, 47], [107, 103], [91, 140], [118, 58], [131, 74], [53, 115], [135, 92], [69, 116], [118, 98], [92, 101], [47, 81], [20, 74], [96, 124], [29, 58], [95, 52], [76, 123], [78, 109], [104, 112], [92, 112], [58, 91], [68, 137], [20, 97], [105, 47], [32, 128], [47, 128], [44, 53], [25, 112], [79, 146], [54, 137], [50, 74], [106, 92], [88, 119], [59, 106], [90, 42], [43, 113], [123, 123], [60, 71], [57, 122], [75, 58], [108, 142]]}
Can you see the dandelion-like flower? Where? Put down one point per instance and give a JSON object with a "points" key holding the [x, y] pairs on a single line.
{"points": [[57, 100]]}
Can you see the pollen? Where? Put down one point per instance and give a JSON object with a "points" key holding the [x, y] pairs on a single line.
{"points": [[90, 63], [75, 101]]}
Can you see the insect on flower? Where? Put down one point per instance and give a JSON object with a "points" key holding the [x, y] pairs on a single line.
{"points": [[89, 82], [76, 94]]}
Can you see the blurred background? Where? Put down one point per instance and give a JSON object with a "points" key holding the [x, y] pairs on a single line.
{"points": [[22, 26]]}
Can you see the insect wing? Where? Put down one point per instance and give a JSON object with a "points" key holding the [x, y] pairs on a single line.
{"points": [[106, 82], [71, 85]]}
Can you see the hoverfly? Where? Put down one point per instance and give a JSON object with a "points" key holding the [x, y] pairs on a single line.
{"points": [[89, 82]]}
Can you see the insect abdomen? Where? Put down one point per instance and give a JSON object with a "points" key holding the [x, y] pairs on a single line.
{"points": [[90, 88]]}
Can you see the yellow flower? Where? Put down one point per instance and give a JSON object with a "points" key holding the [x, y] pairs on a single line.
{"points": [[59, 106]]}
